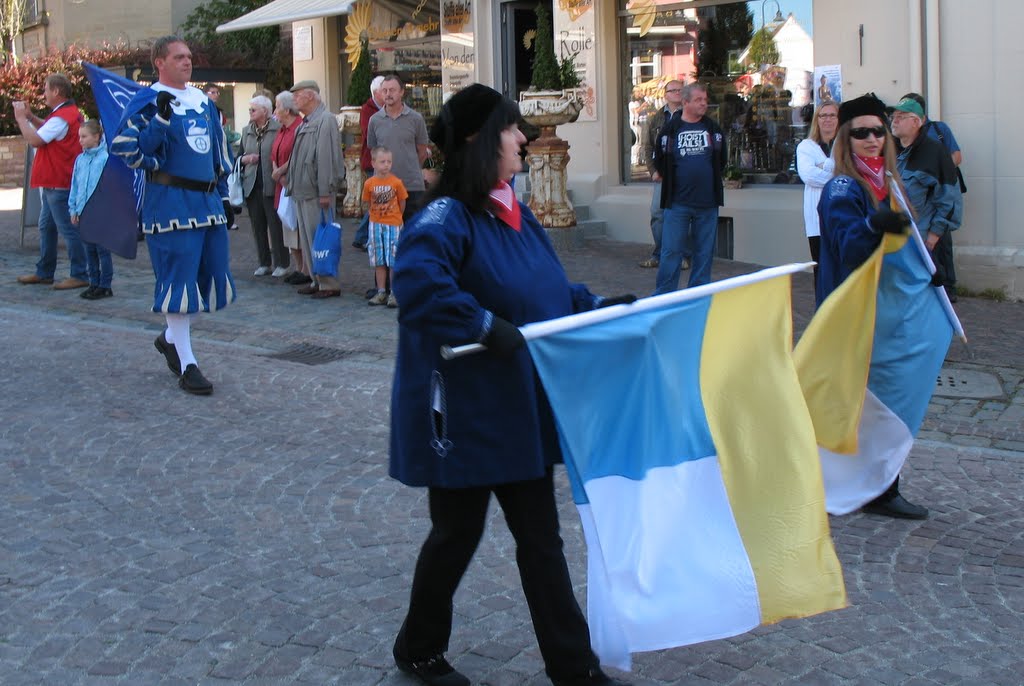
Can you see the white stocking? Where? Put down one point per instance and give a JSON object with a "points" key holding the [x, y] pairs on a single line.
{"points": [[178, 334]]}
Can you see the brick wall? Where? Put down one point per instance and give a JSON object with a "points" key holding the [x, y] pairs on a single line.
{"points": [[12, 161]]}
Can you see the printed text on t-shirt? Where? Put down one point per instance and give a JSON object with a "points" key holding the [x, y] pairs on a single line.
{"points": [[693, 143]]}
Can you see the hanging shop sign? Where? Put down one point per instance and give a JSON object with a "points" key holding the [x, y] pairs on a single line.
{"points": [[576, 39], [458, 56]]}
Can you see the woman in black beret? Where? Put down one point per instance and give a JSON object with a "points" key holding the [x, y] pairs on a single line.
{"points": [[855, 210], [473, 266]]}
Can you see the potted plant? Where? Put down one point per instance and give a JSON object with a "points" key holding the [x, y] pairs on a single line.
{"points": [[546, 73], [732, 177], [546, 102]]}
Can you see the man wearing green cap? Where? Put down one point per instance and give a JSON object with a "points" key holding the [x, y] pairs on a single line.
{"points": [[930, 178]]}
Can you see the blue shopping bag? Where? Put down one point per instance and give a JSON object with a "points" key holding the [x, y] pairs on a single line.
{"points": [[326, 245]]}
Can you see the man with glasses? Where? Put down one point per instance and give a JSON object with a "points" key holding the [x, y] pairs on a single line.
{"points": [[652, 127], [689, 156], [929, 175]]}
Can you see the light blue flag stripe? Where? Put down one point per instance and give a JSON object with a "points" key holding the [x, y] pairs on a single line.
{"points": [[639, 378], [912, 336]]}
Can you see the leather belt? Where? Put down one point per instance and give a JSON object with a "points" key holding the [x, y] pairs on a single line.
{"points": [[165, 179]]}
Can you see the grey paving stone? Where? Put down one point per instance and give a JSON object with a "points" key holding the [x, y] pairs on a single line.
{"points": [[254, 537]]}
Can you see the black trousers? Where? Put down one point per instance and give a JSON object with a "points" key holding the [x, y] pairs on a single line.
{"points": [[457, 519], [942, 255], [814, 243]]}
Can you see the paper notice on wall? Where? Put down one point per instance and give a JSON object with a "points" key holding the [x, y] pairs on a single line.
{"points": [[458, 57], [575, 38], [828, 84]]}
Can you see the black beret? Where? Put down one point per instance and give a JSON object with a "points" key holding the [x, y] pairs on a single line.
{"points": [[464, 114], [867, 105]]}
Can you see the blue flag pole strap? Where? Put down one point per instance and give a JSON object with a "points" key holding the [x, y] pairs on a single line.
{"points": [[922, 249], [604, 314]]}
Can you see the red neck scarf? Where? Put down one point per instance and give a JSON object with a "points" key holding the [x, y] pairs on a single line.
{"points": [[873, 171], [505, 207]]}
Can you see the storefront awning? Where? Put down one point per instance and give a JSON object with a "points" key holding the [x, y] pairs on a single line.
{"points": [[285, 12]]}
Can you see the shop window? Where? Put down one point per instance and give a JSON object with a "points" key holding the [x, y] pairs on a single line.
{"points": [[758, 79], [405, 39]]}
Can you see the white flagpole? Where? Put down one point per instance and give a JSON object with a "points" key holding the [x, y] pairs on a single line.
{"points": [[604, 314], [915, 236]]}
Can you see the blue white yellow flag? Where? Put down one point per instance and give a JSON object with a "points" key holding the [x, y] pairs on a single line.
{"points": [[694, 466], [111, 216], [868, 362]]}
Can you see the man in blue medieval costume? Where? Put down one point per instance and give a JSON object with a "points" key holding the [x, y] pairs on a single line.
{"points": [[173, 131]]}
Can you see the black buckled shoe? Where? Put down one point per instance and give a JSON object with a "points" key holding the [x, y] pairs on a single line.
{"points": [[169, 352], [595, 677], [192, 381], [897, 506], [434, 671]]}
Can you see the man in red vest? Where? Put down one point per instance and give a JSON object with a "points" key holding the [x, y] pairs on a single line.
{"points": [[55, 140]]}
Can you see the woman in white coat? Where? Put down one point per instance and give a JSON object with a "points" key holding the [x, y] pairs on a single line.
{"points": [[814, 165]]}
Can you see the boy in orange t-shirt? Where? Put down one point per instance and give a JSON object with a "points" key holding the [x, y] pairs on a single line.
{"points": [[386, 194]]}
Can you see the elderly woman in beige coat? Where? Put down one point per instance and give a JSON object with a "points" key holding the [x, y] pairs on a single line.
{"points": [[258, 187]]}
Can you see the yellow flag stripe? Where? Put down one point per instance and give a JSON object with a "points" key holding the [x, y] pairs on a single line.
{"points": [[766, 447], [833, 356]]}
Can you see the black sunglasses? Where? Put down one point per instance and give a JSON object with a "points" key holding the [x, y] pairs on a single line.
{"points": [[862, 132]]}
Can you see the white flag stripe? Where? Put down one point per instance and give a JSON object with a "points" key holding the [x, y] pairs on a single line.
{"points": [[883, 443], [675, 571]]}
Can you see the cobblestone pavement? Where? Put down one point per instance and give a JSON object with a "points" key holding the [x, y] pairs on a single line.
{"points": [[253, 537]]}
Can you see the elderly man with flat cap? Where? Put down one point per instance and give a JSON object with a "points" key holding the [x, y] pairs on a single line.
{"points": [[315, 171]]}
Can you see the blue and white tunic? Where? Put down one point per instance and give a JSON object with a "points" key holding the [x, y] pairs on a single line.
{"points": [[186, 229], [192, 145]]}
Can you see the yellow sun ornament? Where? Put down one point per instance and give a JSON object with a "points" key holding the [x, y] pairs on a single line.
{"points": [[643, 12], [358, 23], [528, 38]]}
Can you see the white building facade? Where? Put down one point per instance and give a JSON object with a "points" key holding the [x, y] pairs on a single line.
{"points": [[957, 53]]}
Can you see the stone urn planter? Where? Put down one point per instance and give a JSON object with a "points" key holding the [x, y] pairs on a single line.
{"points": [[549, 156], [348, 123]]}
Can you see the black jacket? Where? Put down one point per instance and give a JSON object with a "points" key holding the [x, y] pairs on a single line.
{"points": [[663, 157]]}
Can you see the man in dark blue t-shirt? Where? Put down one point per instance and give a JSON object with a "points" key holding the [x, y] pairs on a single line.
{"points": [[689, 158]]}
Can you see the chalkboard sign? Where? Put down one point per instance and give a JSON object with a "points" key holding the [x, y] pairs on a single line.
{"points": [[30, 201]]}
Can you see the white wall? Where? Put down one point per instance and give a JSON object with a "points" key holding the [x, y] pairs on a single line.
{"points": [[972, 51], [325, 67]]}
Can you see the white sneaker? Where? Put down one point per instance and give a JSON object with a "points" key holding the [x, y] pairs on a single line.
{"points": [[392, 300], [279, 272], [261, 271], [379, 299]]}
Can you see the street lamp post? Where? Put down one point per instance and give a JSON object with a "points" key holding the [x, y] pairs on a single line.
{"points": [[778, 12]]}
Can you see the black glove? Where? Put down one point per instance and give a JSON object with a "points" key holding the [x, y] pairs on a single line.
{"points": [[163, 105], [626, 299], [885, 220], [937, 279], [504, 338]]}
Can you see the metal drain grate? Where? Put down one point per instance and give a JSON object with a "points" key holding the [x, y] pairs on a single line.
{"points": [[307, 353], [965, 383]]}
